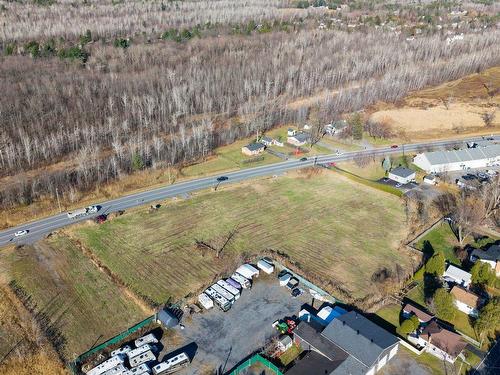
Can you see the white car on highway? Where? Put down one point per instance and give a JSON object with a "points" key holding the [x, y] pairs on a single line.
{"points": [[20, 233]]}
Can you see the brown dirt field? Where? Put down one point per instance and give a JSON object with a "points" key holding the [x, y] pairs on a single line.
{"points": [[451, 109]]}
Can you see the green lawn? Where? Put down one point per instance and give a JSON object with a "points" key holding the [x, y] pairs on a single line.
{"points": [[463, 323], [440, 239], [85, 305], [390, 314], [290, 355], [229, 158], [315, 221]]}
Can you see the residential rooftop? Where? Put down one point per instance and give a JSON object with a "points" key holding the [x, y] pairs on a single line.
{"points": [[492, 254]]}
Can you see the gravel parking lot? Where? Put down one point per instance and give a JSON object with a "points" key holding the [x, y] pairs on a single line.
{"points": [[225, 339]]}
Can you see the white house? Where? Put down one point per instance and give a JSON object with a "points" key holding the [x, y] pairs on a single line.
{"points": [[466, 301], [299, 139], [456, 160], [291, 132], [457, 275], [491, 257], [402, 175]]}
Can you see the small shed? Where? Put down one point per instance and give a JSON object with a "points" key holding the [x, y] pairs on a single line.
{"points": [[285, 343], [430, 179], [167, 319]]}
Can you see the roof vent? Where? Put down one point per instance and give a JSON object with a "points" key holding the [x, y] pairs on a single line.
{"points": [[371, 340], [357, 331], [343, 322]]}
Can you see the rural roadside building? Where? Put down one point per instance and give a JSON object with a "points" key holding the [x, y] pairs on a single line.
{"points": [[350, 344], [456, 160], [402, 175], [253, 149], [441, 343], [457, 276], [299, 139], [167, 319], [490, 256], [267, 141], [466, 301]]}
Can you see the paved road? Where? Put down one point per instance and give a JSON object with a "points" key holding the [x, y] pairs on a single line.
{"points": [[37, 229]]}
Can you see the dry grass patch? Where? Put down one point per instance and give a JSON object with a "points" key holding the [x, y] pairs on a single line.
{"points": [[23, 348], [84, 305], [331, 227]]}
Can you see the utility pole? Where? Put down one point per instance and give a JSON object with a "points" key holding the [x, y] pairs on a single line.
{"points": [[58, 201]]}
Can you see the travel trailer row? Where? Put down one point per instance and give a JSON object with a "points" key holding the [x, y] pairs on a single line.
{"points": [[225, 292], [137, 361]]}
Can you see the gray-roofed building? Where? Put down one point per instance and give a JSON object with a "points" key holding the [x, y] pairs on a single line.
{"points": [[455, 160], [357, 345], [490, 256], [166, 318], [253, 149], [402, 175], [369, 343], [299, 139]]}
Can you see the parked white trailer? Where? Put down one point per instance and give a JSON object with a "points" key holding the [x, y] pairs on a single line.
{"points": [[139, 370], [105, 366], [231, 289], [142, 358], [171, 365], [265, 266], [148, 339], [248, 271], [122, 352], [223, 292], [205, 301], [77, 213], [220, 301], [118, 370], [244, 282], [138, 351]]}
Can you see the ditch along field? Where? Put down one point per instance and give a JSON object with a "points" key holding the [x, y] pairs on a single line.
{"points": [[331, 228], [23, 348], [84, 305]]}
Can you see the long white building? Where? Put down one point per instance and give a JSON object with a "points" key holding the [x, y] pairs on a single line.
{"points": [[456, 160]]}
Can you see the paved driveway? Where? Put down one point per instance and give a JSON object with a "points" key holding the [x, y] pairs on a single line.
{"points": [[225, 339]]}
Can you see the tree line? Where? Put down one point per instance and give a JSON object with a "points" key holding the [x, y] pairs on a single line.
{"points": [[163, 103]]}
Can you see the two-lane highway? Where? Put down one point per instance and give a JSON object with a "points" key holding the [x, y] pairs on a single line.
{"points": [[39, 228]]}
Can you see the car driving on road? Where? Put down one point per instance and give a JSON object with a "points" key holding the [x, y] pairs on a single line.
{"points": [[20, 233]]}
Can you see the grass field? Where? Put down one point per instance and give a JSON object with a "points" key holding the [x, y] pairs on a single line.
{"points": [[85, 305], [23, 350], [317, 222]]}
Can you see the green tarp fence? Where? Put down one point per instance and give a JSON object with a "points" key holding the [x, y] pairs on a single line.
{"points": [[251, 361], [118, 338]]}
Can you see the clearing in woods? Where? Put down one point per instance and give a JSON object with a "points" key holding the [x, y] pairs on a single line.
{"points": [[452, 108], [83, 303], [332, 227]]}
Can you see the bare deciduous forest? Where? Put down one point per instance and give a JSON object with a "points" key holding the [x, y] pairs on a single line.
{"points": [[146, 86]]}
